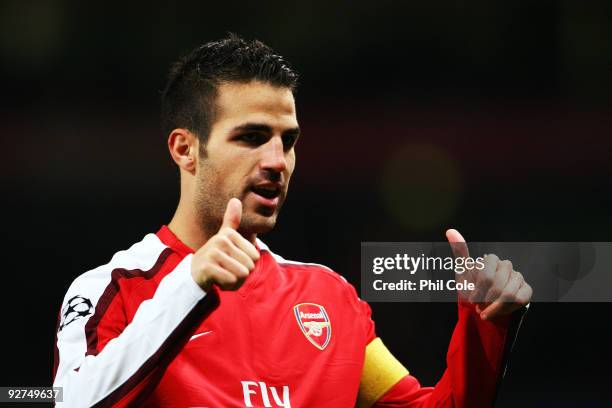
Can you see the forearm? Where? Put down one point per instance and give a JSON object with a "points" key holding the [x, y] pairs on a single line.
{"points": [[158, 330], [475, 362]]}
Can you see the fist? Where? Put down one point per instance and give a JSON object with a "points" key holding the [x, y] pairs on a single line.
{"points": [[227, 258], [498, 288]]}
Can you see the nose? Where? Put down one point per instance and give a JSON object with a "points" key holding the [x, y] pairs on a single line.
{"points": [[274, 156]]}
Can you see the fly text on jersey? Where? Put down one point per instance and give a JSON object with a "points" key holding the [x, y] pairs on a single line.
{"points": [[262, 393]]}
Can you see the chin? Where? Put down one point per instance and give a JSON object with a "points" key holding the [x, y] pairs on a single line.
{"points": [[258, 224]]}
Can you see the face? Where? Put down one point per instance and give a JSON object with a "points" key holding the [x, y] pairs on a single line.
{"points": [[249, 155]]}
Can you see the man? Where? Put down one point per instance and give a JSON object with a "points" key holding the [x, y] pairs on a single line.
{"points": [[202, 313]]}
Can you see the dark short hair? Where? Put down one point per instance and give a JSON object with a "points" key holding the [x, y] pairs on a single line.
{"points": [[188, 100]]}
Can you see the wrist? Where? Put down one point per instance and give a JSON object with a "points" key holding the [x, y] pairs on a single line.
{"points": [[204, 283]]}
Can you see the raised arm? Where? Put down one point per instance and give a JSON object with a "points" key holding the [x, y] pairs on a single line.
{"points": [[102, 359], [489, 318], [476, 361]]}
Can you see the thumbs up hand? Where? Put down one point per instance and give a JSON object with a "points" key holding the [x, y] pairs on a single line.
{"points": [[227, 258], [499, 289]]}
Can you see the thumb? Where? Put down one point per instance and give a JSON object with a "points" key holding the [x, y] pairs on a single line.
{"points": [[233, 214], [457, 243]]}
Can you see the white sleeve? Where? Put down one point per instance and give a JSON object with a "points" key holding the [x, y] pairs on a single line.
{"points": [[109, 376]]}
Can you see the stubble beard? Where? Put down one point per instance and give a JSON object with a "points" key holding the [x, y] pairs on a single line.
{"points": [[211, 202]]}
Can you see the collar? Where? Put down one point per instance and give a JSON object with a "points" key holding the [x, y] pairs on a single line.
{"points": [[168, 238]]}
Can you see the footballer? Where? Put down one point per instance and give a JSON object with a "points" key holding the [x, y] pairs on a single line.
{"points": [[202, 313]]}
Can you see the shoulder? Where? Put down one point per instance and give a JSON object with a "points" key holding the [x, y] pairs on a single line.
{"points": [[140, 257]]}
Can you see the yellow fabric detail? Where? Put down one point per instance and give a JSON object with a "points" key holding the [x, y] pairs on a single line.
{"points": [[381, 371]]}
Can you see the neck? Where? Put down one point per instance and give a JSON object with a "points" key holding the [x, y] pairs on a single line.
{"points": [[187, 226]]}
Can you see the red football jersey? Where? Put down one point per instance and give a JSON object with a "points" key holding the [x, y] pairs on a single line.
{"points": [[140, 331]]}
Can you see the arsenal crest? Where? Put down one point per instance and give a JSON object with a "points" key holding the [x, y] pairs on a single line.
{"points": [[314, 322]]}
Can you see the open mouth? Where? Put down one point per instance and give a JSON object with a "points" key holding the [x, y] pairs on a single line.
{"points": [[269, 192]]}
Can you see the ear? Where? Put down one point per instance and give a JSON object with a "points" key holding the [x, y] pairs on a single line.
{"points": [[183, 146]]}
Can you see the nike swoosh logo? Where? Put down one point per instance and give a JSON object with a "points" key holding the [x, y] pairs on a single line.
{"points": [[195, 336]]}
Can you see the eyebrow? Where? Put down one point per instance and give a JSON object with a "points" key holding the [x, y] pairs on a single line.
{"points": [[261, 127]]}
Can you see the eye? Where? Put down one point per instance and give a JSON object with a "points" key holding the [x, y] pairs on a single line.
{"points": [[289, 141], [252, 138]]}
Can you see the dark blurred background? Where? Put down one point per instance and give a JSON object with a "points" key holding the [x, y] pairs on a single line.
{"points": [[490, 117]]}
